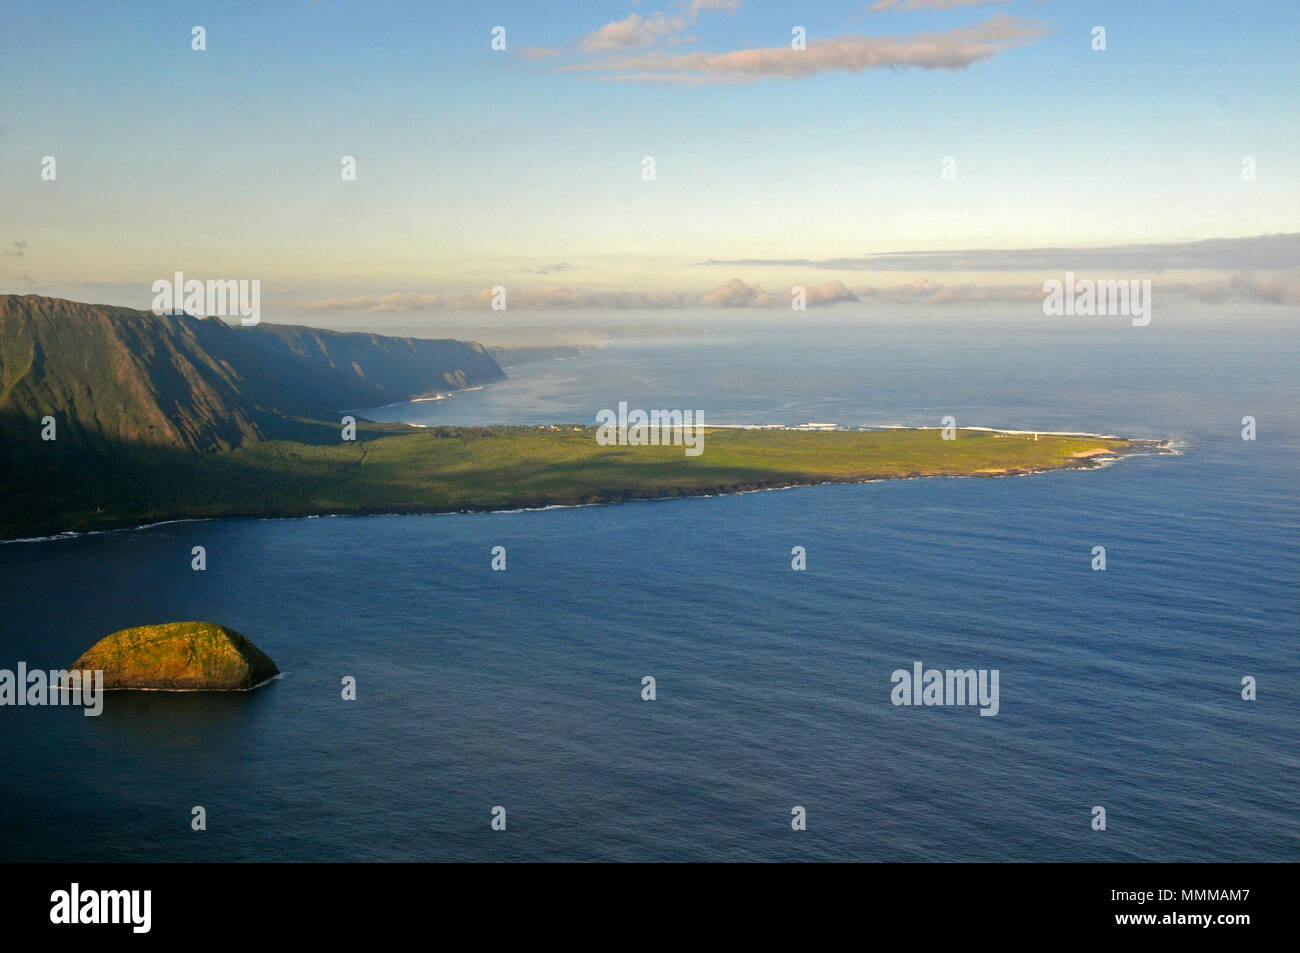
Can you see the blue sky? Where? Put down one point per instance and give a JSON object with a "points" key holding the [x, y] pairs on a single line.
{"points": [[479, 167]]}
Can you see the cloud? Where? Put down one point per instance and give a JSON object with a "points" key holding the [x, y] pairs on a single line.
{"points": [[734, 293], [880, 6], [925, 291], [397, 301], [537, 52], [737, 294], [1270, 277], [20, 246], [1249, 287], [637, 32], [548, 269], [1281, 288], [1260, 252], [853, 53], [560, 297], [1259, 288], [547, 297], [633, 32]]}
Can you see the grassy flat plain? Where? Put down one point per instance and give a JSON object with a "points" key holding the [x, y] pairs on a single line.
{"points": [[458, 468]]}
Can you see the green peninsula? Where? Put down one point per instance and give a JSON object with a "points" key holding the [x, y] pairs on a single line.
{"points": [[112, 417], [390, 469]]}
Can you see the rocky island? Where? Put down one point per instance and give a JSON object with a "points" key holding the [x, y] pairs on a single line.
{"points": [[178, 657]]}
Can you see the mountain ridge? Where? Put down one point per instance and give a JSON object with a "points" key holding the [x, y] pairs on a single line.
{"points": [[111, 375]]}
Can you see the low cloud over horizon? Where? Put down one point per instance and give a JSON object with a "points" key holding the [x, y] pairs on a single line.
{"points": [[1278, 288], [1246, 287], [1261, 269], [1259, 252]]}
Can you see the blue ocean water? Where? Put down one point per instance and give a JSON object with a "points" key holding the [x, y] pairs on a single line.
{"points": [[522, 689]]}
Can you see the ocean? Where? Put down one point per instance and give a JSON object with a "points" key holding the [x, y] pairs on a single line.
{"points": [[523, 689]]}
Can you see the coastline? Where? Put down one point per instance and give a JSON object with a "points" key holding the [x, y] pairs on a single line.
{"points": [[1087, 460]]}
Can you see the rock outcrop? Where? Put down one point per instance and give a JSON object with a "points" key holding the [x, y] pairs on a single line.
{"points": [[179, 656]]}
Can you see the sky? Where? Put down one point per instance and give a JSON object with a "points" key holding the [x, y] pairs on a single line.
{"points": [[525, 167]]}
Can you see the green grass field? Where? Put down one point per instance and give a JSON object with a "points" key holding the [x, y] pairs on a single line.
{"points": [[443, 469]]}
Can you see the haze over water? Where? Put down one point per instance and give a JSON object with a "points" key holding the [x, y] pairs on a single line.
{"points": [[522, 689]]}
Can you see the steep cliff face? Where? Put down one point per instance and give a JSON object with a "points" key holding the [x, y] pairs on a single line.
{"points": [[356, 369], [119, 377], [178, 656], [115, 375]]}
